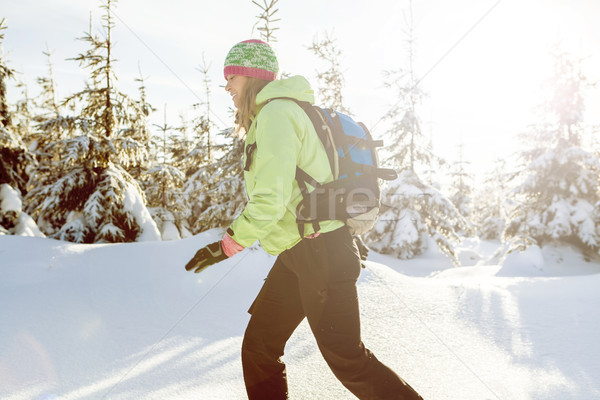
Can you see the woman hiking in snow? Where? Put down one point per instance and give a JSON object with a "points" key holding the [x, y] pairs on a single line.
{"points": [[315, 274]]}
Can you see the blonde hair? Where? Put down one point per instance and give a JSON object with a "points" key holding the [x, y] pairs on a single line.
{"points": [[247, 110]]}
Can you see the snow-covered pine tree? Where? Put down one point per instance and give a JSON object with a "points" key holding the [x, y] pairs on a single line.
{"points": [[488, 211], [163, 188], [331, 80], [49, 112], [50, 128], [412, 211], [217, 188], [48, 95], [161, 180], [191, 151], [94, 198], [409, 147], [461, 187], [15, 159], [183, 142], [137, 129], [196, 157], [6, 73], [23, 116], [556, 197], [212, 167], [199, 167]]}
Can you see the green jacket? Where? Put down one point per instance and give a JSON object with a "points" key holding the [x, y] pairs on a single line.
{"points": [[285, 138]]}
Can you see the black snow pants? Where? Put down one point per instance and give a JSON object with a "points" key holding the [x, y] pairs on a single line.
{"points": [[315, 279]]}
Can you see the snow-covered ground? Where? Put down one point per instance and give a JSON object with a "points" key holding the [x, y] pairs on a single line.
{"points": [[126, 321]]}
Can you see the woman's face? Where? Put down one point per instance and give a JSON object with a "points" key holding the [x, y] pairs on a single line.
{"points": [[235, 87]]}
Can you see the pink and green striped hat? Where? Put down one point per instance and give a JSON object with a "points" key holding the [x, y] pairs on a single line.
{"points": [[253, 58]]}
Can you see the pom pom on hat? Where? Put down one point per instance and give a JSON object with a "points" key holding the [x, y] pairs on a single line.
{"points": [[253, 58]]}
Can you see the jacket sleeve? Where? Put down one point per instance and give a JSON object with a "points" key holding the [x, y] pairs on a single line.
{"points": [[274, 172]]}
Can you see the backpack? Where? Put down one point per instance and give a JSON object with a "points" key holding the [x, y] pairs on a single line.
{"points": [[354, 195]]}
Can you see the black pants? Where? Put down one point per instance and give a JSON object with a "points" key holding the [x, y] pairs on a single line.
{"points": [[315, 279]]}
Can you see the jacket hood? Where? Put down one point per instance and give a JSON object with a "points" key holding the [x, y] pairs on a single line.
{"points": [[296, 87]]}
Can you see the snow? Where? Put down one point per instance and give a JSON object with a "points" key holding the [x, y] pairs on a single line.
{"points": [[134, 203], [126, 321], [10, 200], [26, 226], [170, 231], [526, 263]]}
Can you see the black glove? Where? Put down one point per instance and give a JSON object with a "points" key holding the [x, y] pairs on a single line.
{"points": [[206, 256]]}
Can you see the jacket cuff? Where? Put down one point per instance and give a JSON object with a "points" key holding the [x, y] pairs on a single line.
{"points": [[229, 245]]}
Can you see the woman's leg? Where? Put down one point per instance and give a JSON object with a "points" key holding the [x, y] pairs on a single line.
{"points": [[327, 268], [276, 313]]}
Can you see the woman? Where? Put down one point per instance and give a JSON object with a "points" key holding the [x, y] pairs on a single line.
{"points": [[313, 276]]}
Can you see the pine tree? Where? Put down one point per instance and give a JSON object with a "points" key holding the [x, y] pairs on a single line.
{"points": [[23, 116], [212, 167], [331, 81], [412, 211], [218, 188], [202, 150], [556, 196], [15, 159], [266, 19], [49, 97], [409, 145], [200, 170], [489, 205], [50, 110], [50, 128], [137, 129], [92, 197], [6, 73], [163, 188], [462, 189]]}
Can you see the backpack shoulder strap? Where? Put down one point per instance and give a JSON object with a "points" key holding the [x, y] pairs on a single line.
{"points": [[324, 132], [323, 128]]}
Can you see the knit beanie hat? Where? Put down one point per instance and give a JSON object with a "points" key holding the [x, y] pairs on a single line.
{"points": [[253, 58]]}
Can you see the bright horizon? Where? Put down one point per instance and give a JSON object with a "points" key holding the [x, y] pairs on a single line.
{"points": [[482, 63]]}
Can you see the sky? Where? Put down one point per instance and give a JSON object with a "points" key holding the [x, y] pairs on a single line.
{"points": [[481, 63]]}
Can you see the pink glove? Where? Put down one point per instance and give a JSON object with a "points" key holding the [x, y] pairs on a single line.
{"points": [[230, 246]]}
